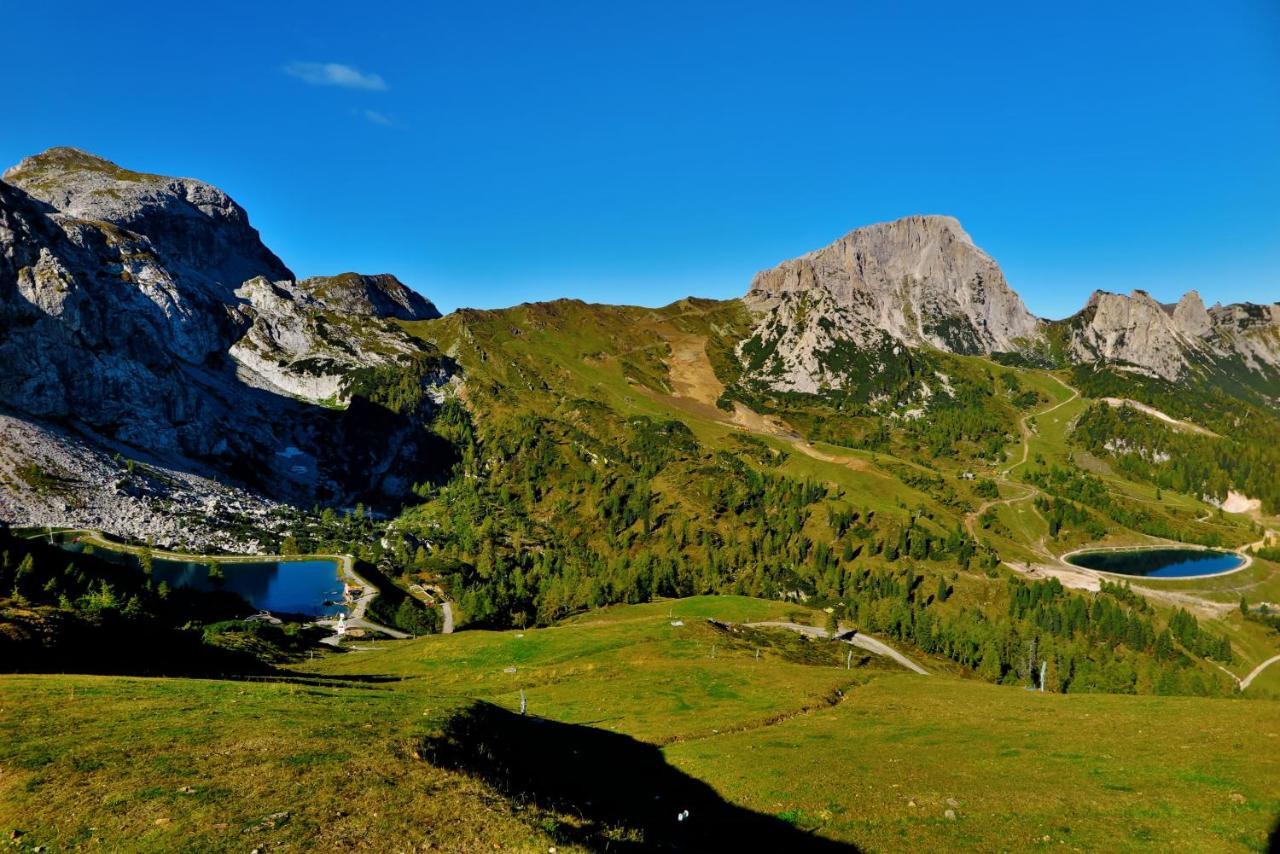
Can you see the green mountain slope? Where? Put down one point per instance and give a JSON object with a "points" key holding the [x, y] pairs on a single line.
{"points": [[613, 456], [761, 730]]}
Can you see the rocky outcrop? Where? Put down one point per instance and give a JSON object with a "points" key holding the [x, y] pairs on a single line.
{"points": [[145, 313], [1138, 333], [195, 229], [1191, 318], [305, 340], [833, 318], [382, 295], [915, 282], [1250, 332], [183, 245], [1135, 331]]}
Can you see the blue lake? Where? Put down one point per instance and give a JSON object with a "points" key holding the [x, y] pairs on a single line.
{"points": [[1159, 563], [282, 587]]}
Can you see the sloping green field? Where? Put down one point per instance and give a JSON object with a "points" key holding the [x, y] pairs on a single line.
{"points": [[1017, 769], [787, 735]]}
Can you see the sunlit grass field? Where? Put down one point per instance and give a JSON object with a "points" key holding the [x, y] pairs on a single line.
{"points": [[1017, 769], [779, 726]]}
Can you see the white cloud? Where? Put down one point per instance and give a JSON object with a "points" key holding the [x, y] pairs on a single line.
{"points": [[335, 74], [378, 118]]}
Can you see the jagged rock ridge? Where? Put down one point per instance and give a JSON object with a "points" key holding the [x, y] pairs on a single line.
{"points": [[146, 312], [1138, 333], [828, 318], [381, 295], [305, 338]]}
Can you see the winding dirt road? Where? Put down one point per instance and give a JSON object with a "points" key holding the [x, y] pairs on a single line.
{"points": [[1026, 429], [1255, 672], [858, 639], [1120, 402], [357, 616]]}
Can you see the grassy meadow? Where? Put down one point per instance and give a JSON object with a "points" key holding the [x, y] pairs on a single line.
{"points": [[766, 727]]}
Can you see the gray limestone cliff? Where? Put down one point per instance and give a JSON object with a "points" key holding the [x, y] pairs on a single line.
{"points": [[1136, 332], [145, 313], [915, 282]]}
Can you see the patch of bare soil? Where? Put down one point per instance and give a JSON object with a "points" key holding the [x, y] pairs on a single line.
{"points": [[697, 389]]}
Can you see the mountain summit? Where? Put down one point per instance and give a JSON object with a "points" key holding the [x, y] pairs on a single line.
{"points": [[147, 310], [829, 316], [195, 229], [916, 281]]}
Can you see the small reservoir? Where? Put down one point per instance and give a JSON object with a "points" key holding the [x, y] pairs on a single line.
{"points": [[311, 588], [1159, 562]]}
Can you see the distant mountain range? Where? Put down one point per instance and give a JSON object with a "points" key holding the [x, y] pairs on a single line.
{"points": [[145, 313], [921, 282]]}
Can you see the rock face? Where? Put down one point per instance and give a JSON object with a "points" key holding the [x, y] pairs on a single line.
{"points": [[145, 312], [1138, 331], [382, 295], [185, 245], [1173, 341], [305, 338], [1251, 332], [837, 318], [915, 282]]}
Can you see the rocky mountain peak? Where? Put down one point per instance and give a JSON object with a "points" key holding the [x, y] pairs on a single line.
{"points": [[1167, 341], [1250, 332], [195, 229], [147, 309], [62, 159], [921, 279], [1135, 330], [1190, 315], [915, 281]]}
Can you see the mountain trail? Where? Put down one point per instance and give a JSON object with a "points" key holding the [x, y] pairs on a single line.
{"points": [[861, 640], [1257, 671], [1026, 430], [1003, 478], [1119, 402]]}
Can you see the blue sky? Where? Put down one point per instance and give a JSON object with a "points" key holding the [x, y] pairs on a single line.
{"points": [[490, 154]]}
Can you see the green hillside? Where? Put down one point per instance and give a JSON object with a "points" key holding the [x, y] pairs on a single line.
{"points": [[420, 743], [620, 503], [612, 454]]}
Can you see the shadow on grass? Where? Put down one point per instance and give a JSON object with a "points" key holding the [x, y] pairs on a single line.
{"points": [[288, 677], [624, 795]]}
